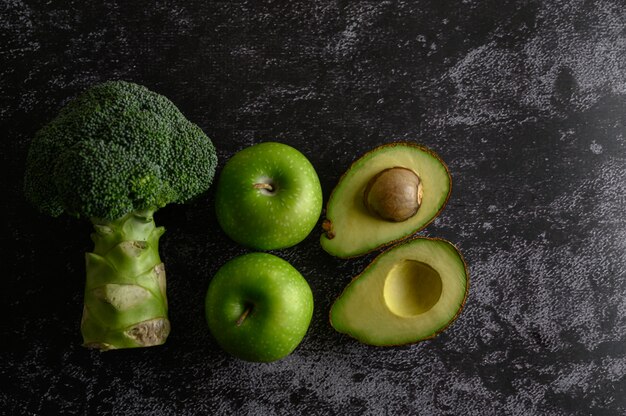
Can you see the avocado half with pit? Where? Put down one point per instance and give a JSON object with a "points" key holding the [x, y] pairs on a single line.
{"points": [[388, 194], [408, 294]]}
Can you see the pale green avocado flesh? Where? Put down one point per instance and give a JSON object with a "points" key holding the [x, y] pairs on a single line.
{"points": [[351, 230], [409, 293]]}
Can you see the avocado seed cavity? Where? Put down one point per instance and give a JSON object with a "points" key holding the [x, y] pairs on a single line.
{"points": [[412, 288], [394, 194]]}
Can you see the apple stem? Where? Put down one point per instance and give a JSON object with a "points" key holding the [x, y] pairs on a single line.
{"points": [[263, 186], [244, 315]]}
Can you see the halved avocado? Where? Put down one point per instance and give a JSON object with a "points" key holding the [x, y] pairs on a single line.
{"points": [[386, 195], [408, 294]]}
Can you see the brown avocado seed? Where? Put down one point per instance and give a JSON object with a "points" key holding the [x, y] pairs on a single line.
{"points": [[394, 194]]}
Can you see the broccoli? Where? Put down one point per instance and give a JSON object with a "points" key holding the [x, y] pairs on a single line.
{"points": [[116, 154]]}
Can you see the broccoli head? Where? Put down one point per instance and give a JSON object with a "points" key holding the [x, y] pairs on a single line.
{"points": [[115, 149]]}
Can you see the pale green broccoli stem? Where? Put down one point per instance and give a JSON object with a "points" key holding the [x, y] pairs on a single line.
{"points": [[125, 303]]}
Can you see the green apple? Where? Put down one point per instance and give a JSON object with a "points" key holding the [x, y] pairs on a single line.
{"points": [[268, 197], [258, 307]]}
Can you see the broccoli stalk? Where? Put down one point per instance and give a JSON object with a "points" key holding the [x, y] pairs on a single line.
{"points": [[115, 155], [125, 303]]}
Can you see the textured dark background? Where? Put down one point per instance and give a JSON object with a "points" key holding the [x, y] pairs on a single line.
{"points": [[526, 102]]}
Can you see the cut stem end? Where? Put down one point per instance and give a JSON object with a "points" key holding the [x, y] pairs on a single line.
{"points": [[265, 186], [244, 315]]}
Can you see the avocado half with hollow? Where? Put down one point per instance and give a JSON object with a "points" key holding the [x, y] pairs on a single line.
{"points": [[386, 195], [409, 293]]}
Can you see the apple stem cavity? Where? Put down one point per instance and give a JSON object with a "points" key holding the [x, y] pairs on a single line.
{"points": [[266, 188], [244, 315]]}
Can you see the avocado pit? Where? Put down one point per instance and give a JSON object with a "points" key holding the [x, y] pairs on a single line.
{"points": [[394, 194]]}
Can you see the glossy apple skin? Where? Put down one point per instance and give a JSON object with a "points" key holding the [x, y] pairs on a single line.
{"points": [[281, 305], [262, 219]]}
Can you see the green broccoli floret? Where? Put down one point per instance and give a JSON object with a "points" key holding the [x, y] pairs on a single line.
{"points": [[117, 148], [115, 154]]}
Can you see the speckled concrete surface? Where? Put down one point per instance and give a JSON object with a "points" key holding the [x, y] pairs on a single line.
{"points": [[526, 102]]}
